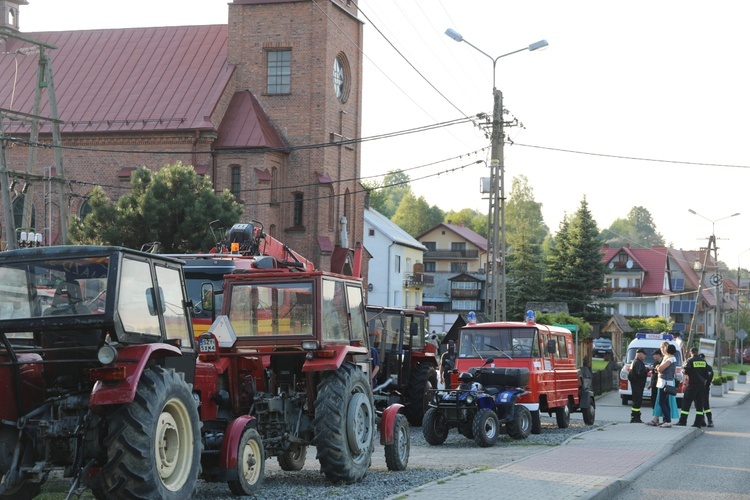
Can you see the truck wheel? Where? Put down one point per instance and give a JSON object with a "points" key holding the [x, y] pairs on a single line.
{"points": [[434, 429], [486, 428], [422, 380], [563, 416], [344, 424], [589, 414], [24, 490], [625, 401], [536, 422], [293, 459], [154, 443], [250, 465], [397, 454], [520, 427]]}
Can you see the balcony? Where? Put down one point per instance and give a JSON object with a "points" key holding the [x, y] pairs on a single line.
{"points": [[451, 254], [412, 280]]}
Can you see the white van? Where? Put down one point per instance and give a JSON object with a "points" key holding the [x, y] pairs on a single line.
{"points": [[651, 342]]}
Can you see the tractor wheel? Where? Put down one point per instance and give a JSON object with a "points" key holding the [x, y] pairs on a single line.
{"points": [[250, 465], [563, 416], [293, 459], [397, 454], [520, 427], [434, 429], [485, 428], [344, 424], [8, 440], [589, 414], [422, 380], [536, 422], [154, 442]]}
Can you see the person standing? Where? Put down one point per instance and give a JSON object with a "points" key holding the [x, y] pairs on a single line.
{"points": [[707, 392], [695, 369], [658, 356], [447, 362], [637, 377], [666, 371], [374, 359]]}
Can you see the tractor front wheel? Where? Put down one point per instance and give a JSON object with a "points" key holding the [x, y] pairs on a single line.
{"points": [[293, 459], [421, 382], [397, 454], [250, 464], [23, 490]]}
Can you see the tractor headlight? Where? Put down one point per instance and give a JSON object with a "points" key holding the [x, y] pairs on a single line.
{"points": [[107, 355], [310, 345]]}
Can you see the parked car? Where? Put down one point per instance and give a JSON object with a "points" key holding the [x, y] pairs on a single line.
{"points": [[746, 356], [602, 346]]}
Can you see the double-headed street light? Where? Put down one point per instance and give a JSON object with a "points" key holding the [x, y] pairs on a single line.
{"points": [[497, 177], [715, 280]]}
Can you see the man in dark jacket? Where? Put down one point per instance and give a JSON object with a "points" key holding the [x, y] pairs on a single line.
{"points": [[637, 377], [695, 369], [707, 392]]}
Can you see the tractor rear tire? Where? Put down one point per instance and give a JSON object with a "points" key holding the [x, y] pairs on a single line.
{"points": [[536, 422], [423, 379], [293, 459], [154, 442], [434, 429], [25, 490], [589, 414], [251, 462], [520, 427], [344, 424], [563, 416], [397, 454], [485, 428]]}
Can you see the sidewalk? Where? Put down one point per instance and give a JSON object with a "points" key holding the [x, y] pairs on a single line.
{"points": [[594, 465]]}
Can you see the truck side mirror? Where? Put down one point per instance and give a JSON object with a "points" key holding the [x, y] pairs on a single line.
{"points": [[207, 296]]}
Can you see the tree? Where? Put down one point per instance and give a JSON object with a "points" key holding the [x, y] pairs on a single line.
{"points": [[172, 206], [386, 196], [575, 271], [637, 229], [476, 221], [415, 216], [525, 235]]}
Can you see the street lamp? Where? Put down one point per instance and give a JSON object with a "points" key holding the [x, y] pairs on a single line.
{"points": [[743, 334], [716, 280], [497, 171]]}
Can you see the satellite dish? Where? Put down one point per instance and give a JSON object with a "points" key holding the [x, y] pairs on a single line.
{"points": [[629, 264], [611, 265]]}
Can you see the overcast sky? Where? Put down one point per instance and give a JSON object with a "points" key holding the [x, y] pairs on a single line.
{"points": [[633, 103]]}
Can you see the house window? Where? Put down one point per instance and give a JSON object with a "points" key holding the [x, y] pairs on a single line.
{"points": [[279, 71], [464, 305], [397, 263], [464, 285], [458, 246], [458, 267], [678, 284], [371, 232], [298, 205], [429, 267], [430, 245], [236, 181]]}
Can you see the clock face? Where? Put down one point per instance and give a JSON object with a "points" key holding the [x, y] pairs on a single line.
{"points": [[340, 78]]}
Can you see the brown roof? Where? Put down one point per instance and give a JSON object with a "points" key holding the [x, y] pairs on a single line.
{"points": [[135, 79], [464, 232], [246, 125]]}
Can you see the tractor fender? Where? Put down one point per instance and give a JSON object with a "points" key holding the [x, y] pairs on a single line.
{"points": [[134, 359], [331, 358], [386, 423], [586, 397], [231, 443]]}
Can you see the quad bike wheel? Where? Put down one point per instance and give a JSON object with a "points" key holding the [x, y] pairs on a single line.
{"points": [[24, 490], [250, 464], [293, 459], [397, 454], [536, 422], [434, 429], [563, 416], [344, 424], [486, 428], [520, 426], [589, 414], [421, 382], [154, 442]]}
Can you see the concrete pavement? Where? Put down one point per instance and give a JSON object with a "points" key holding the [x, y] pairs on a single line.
{"points": [[592, 465]]}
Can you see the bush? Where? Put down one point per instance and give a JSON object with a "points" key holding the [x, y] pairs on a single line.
{"points": [[728, 378], [743, 372], [718, 381]]}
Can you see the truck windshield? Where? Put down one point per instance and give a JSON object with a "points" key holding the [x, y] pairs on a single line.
{"points": [[55, 287], [271, 309], [498, 343]]}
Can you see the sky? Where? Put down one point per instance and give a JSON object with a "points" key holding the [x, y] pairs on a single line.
{"points": [[636, 103]]}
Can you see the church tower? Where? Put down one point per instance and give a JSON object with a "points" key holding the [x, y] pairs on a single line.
{"points": [[9, 9]]}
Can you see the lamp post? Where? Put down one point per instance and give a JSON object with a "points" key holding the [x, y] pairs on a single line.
{"points": [[497, 173], [715, 279], [739, 271]]}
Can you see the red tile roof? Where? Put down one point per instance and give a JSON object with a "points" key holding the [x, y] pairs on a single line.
{"points": [[653, 261], [135, 79]]}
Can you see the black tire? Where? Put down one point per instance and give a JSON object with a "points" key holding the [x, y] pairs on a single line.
{"points": [[563, 416], [422, 380], [139, 462], [486, 428], [625, 400], [536, 422], [589, 414], [344, 424], [520, 427], [25, 490], [293, 459], [251, 462], [397, 454], [434, 429]]}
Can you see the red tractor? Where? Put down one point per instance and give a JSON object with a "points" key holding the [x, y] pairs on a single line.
{"points": [[288, 354], [97, 361]]}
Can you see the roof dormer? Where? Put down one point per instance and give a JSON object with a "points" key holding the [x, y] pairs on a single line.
{"points": [[9, 9]]}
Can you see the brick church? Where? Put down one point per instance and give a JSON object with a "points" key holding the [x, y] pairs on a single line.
{"points": [[265, 106]]}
